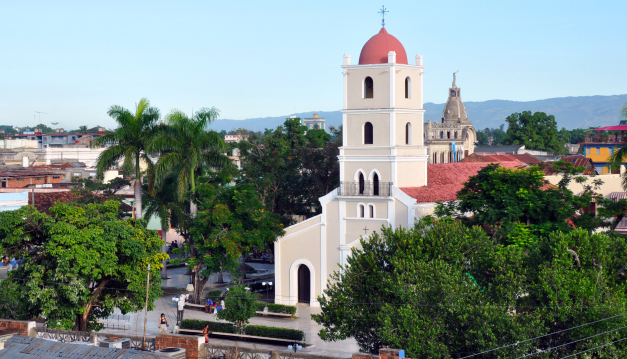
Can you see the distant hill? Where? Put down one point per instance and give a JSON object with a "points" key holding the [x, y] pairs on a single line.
{"points": [[570, 112]]}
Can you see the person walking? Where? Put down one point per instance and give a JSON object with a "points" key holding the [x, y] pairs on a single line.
{"points": [[163, 324], [180, 307], [205, 332]]}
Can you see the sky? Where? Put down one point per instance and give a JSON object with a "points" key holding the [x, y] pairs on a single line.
{"points": [[75, 59]]}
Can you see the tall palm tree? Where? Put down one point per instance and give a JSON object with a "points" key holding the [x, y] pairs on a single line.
{"points": [[187, 145], [82, 129], [129, 142]]}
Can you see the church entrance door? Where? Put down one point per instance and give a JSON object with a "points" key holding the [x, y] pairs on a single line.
{"points": [[304, 284]]}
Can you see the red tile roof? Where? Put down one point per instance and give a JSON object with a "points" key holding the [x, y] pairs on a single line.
{"points": [[444, 180], [45, 200], [577, 161], [524, 158]]}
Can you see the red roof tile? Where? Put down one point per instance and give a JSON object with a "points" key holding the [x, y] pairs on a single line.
{"points": [[444, 180], [524, 158]]}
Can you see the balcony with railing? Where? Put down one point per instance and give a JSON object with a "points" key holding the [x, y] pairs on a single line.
{"points": [[365, 188]]}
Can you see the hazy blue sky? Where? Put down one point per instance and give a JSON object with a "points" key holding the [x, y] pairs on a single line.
{"points": [[74, 59]]}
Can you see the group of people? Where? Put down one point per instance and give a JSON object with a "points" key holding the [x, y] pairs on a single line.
{"points": [[210, 306], [7, 263], [175, 244]]}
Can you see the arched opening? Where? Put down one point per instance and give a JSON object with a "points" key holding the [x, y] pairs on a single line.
{"points": [[408, 133], [362, 183], [441, 134], [375, 184], [368, 87], [455, 134], [371, 210], [441, 157], [448, 134], [368, 135], [435, 157], [304, 284], [360, 211], [407, 87]]}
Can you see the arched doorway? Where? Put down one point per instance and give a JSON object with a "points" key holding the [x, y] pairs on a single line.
{"points": [[304, 284]]}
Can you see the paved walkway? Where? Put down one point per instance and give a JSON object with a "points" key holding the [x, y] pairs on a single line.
{"points": [[344, 348]]}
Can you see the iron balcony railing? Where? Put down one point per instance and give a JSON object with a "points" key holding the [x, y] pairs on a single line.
{"points": [[366, 188]]}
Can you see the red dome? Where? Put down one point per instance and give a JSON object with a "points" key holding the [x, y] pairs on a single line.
{"points": [[375, 51]]}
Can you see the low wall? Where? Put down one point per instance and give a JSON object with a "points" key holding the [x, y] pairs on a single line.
{"points": [[26, 328]]}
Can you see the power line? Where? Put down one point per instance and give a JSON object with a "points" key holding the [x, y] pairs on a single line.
{"points": [[598, 346], [575, 341], [542, 336]]}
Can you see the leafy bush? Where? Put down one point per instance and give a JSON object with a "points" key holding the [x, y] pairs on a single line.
{"points": [[195, 324], [256, 330], [259, 306], [215, 295], [282, 308], [274, 332]]}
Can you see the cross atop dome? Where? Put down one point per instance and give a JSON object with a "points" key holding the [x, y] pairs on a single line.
{"points": [[382, 12]]}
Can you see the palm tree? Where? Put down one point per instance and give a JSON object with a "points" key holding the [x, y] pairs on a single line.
{"points": [[187, 145], [82, 129], [129, 142]]}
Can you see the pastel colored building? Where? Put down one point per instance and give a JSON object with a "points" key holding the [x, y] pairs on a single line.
{"points": [[601, 143]]}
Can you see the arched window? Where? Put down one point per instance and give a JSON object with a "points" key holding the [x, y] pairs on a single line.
{"points": [[455, 134], [362, 210], [407, 87], [441, 157], [408, 133], [375, 184], [371, 210], [441, 134], [435, 157], [368, 136], [368, 87], [448, 134], [362, 183]]}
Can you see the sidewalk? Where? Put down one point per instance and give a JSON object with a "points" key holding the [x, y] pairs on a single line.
{"points": [[344, 348]]}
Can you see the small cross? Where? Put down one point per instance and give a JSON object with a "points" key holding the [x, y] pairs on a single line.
{"points": [[382, 12], [366, 230]]}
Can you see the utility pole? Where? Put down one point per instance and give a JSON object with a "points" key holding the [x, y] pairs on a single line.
{"points": [[146, 309]]}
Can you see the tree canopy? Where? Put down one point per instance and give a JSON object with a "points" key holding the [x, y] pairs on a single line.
{"points": [[79, 263], [445, 290], [537, 131]]}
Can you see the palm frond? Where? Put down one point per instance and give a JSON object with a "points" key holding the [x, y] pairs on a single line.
{"points": [[108, 158]]}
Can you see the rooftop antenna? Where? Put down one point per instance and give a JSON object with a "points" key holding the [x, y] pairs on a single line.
{"points": [[382, 12], [39, 112]]}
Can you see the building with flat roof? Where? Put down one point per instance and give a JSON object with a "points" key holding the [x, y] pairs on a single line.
{"points": [[314, 123]]}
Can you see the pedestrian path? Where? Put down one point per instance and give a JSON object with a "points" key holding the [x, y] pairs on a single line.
{"points": [[343, 348]]}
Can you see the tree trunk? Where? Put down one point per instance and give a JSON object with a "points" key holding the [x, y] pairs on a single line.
{"points": [[220, 276], [138, 199], [81, 319], [164, 249], [199, 287]]}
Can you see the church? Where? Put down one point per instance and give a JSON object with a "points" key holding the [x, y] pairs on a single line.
{"points": [[385, 175]]}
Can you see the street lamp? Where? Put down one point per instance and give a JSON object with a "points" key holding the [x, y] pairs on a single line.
{"points": [[267, 286]]}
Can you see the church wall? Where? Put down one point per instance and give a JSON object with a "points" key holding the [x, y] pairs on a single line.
{"points": [[413, 174], [414, 102], [304, 246], [416, 129], [381, 129], [400, 214], [302, 225], [381, 84], [355, 228], [384, 169], [365, 151], [424, 209], [411, 151], [333, 237]]}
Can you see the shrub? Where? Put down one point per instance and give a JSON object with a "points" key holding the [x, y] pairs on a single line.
{"points": [[256, 330], [195, 324], [282, 308], [259, 306], [274, 332], [215, 295]]}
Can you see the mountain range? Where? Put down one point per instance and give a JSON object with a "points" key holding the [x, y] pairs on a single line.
{"points": [[569, 112]]}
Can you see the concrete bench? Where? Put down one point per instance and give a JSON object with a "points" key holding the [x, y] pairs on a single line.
{"points": [[193, 306], [274, 314], [244, 336], [119, 324]]}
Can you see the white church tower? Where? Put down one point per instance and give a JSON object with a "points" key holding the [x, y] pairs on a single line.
{"points": [[382, 153]]}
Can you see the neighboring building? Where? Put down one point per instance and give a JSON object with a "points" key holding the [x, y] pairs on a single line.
{"points": [[235, 138], [524, 159], [573, 148], [577, 161], [29, 156], [314, 123], [601, 143], [454, 138], [61, 140], [510, 150], [26, 178], [13, 201]]}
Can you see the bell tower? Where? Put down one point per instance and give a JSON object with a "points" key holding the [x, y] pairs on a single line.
{"points": [[383, 145]]}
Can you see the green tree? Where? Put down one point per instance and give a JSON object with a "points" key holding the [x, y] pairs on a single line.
{"points": [[82, 129], [231, 222], [536, 132], [185, 145], [623, 114], [501, 197], [79, 263], [241, 305], [444, 290], [129, 142]]}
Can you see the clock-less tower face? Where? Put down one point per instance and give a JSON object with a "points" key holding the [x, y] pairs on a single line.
{"points": [[383, 116]]}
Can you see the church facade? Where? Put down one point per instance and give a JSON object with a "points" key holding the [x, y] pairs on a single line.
{"points": [[383, 169], [454, 138]]}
